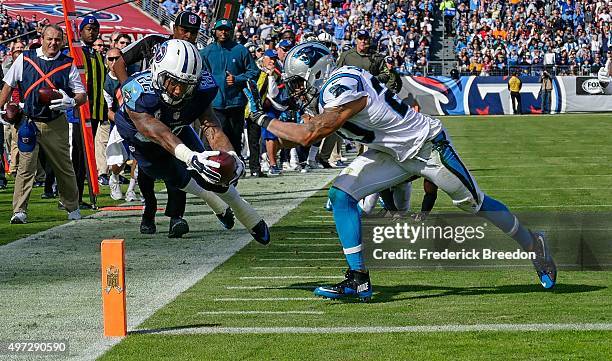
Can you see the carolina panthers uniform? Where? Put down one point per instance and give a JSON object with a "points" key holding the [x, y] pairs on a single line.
{"points": [[402, 143], [139, 96]]}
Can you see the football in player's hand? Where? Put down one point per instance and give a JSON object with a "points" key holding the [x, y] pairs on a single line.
{"points": [[13, 114], [46, 95], [227, 168]]}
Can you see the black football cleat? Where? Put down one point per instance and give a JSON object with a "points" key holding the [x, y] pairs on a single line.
{"points": [[355, 284], [261, 233], [178, 227], [544, 263], [227, 218], [147, 226]]}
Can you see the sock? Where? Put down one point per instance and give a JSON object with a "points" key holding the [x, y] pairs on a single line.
{"points": [[114, 177], [369, 203], [312, 153], [348, 226], [245, 213], [500, 216], [213, 201], [131, 185]]}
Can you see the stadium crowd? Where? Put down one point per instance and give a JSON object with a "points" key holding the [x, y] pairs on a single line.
{"points": [[567, 37]]}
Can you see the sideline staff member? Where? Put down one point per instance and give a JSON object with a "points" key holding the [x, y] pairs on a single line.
{"points": [[34, 69]]}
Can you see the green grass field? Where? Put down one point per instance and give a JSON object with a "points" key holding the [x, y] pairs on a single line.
{"points": [[258, 305], [541, 163]]}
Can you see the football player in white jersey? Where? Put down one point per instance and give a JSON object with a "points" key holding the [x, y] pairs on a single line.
{"points": [[402, 143]]}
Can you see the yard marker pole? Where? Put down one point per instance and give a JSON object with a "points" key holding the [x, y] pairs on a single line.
{"points": [[113, 288]]}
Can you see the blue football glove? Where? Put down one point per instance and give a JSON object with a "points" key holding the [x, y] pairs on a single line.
{"points": [[257, 116]]}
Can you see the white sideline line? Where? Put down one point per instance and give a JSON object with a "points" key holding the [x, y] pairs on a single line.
{"points": [[309, 238], [305, 252], [266, 299], [298, 267], [548, 175], [550, 206], [321, 216], [284, 277], [261, 313], [301, 259], [267, 287], [319, 222], [311, 232], [496, 327], [306, 244]]}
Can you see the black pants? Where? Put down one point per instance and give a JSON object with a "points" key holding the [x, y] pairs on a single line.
{"points": [[78, 158], [232, 123], [254, 134], [515, 97], [177, 199]]}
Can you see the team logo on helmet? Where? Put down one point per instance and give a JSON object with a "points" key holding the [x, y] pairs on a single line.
{"points": [[161, 52], [310, 54], [192, 19]]}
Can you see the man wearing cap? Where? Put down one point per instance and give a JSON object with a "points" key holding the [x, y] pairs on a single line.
{"points": [[231, 66], [95, 73], [186, 27], [46, 123], [283, 48]]}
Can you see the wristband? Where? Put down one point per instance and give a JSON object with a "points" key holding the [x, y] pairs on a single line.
{"points": [[183, 153]]}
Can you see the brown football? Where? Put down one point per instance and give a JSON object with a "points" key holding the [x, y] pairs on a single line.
{"points": [[46, 95], [14, 113], [227, 168]]}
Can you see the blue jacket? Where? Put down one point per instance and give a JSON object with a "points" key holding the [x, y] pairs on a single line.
{"points": [[235, 59]]}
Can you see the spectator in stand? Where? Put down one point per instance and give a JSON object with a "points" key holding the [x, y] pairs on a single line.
{"points": [[170, 6]]}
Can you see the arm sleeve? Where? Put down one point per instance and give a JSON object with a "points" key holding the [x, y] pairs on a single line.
{"points": [[74, 81], [340, 90], [15, 72], [134, 52]]}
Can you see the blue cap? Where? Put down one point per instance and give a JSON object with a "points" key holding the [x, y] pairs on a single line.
{"points": [[26, 136], [363, 33], [88, 20], [286, 44], [223, 23], [271, 53]]}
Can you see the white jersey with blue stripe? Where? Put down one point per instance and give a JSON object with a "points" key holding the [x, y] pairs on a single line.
{"points": [[385, 124]]}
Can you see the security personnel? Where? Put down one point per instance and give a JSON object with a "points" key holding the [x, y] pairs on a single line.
{"points": [[514, 85], [95, 73], [32, 70]]}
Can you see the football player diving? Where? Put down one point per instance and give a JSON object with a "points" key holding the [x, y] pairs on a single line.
{"points": [[402, 143], [159, 106]]}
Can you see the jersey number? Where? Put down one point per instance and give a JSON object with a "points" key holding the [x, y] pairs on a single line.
{"points": [[400, 108]]}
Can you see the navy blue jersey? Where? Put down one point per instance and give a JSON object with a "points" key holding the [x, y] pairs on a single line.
{"points": [[140, 96]]}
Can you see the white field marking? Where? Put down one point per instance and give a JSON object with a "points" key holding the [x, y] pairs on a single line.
{"points": [[298, 267], [321, 216], [548, 176], [306, 244], [551, 206], [543, 189], [305, 252], [261, 313], [311, 232], [286, 277], [319, 222], [267, 287], [267, 299], [309, 238], [495, 327], [301, 259]]}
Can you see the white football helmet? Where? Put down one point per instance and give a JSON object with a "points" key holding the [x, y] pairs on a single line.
{"points": [[307, 67], [177, 63]]}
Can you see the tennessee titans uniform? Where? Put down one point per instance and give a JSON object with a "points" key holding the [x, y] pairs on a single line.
{"points": [[140, 96]]}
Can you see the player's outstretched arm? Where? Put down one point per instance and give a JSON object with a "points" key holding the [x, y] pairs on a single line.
{"points": [[155, 130], [317, 127]]}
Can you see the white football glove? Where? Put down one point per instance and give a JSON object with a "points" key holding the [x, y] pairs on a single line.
{"points": [[62, 104], [239, 168]]}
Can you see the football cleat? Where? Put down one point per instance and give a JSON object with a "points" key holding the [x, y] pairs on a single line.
{"points": [[147, 226], [178, 227], [356, 283], [19, 218], [226, 218], [261, 233], [543, 263]]}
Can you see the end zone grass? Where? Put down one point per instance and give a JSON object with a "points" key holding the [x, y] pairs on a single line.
{"points": [[531, 163]]}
